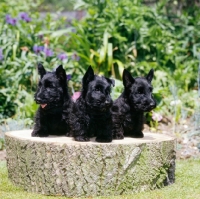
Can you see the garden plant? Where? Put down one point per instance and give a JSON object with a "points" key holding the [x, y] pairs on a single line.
{"points": [[112, 36]]}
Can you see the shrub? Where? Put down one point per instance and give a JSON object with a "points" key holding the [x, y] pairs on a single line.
{"points": [[118, 34], [114, 35], [27, 38]]}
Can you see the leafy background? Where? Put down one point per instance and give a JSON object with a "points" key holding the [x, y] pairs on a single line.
{"points": [[112, 35]]}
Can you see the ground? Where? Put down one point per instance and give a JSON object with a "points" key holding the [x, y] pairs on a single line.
{"points": [[187, 135], [2, 155]]}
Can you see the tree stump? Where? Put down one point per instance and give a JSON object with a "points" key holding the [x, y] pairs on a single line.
{"points": [[62, 166]]}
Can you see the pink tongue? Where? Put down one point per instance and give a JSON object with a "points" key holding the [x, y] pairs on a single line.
{"points": [[43, 105]]}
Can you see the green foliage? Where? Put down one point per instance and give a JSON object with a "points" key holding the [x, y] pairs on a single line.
{"points": [[52, 5], [126, 34], [18, 42], [114, 35], [2, 144]]}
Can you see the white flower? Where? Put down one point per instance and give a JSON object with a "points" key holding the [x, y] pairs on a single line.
{"points": [[175, 102], [156, 117]]}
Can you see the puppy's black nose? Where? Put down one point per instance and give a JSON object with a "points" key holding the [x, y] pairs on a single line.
{"points": [[37, 99], [152, 105], [107, 102]]}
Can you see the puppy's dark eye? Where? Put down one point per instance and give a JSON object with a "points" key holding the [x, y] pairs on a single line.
{"points": [[48, 84], [140, 91], [108, 91], [150, 89], [97, 89], [40, 84]]}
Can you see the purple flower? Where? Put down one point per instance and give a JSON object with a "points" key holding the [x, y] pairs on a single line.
{"points": [[37, 49], [1, 54], [24, 16], [68, 76], [10, 20], [62, 56], [73, 30], [48, 52], [8, 17], [75, 57]]}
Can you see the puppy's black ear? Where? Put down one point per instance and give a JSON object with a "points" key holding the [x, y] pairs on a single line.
{"points": [[128, 80], [111, 81], [88, 77], [60, 73], [41, 70], [149, 77]]}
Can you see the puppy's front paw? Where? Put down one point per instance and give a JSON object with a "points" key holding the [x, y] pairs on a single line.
{"points": [[138, 135], [34, 134], [103, 139], [39, 134], [68, 134], [118, 136], [81, 139]]}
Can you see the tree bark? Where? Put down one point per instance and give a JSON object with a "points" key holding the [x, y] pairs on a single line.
{"points": [[61, 166]]}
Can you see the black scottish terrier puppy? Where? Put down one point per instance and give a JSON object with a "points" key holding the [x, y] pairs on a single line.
{"points": [[92, 115], [128, 110], [52, 117]]}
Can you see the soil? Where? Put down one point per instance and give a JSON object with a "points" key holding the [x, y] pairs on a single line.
{"points": [[186, 134], [2, 155]]}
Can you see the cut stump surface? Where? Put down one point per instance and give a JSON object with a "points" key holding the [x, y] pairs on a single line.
{"points": [[62, 166]]}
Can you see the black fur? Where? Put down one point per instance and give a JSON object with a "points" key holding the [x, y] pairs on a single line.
{"points": [[92, 109], [128, 110], [52, 117]]}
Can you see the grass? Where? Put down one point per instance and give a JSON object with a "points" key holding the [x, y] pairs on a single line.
{"points": [[187, 186]]}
